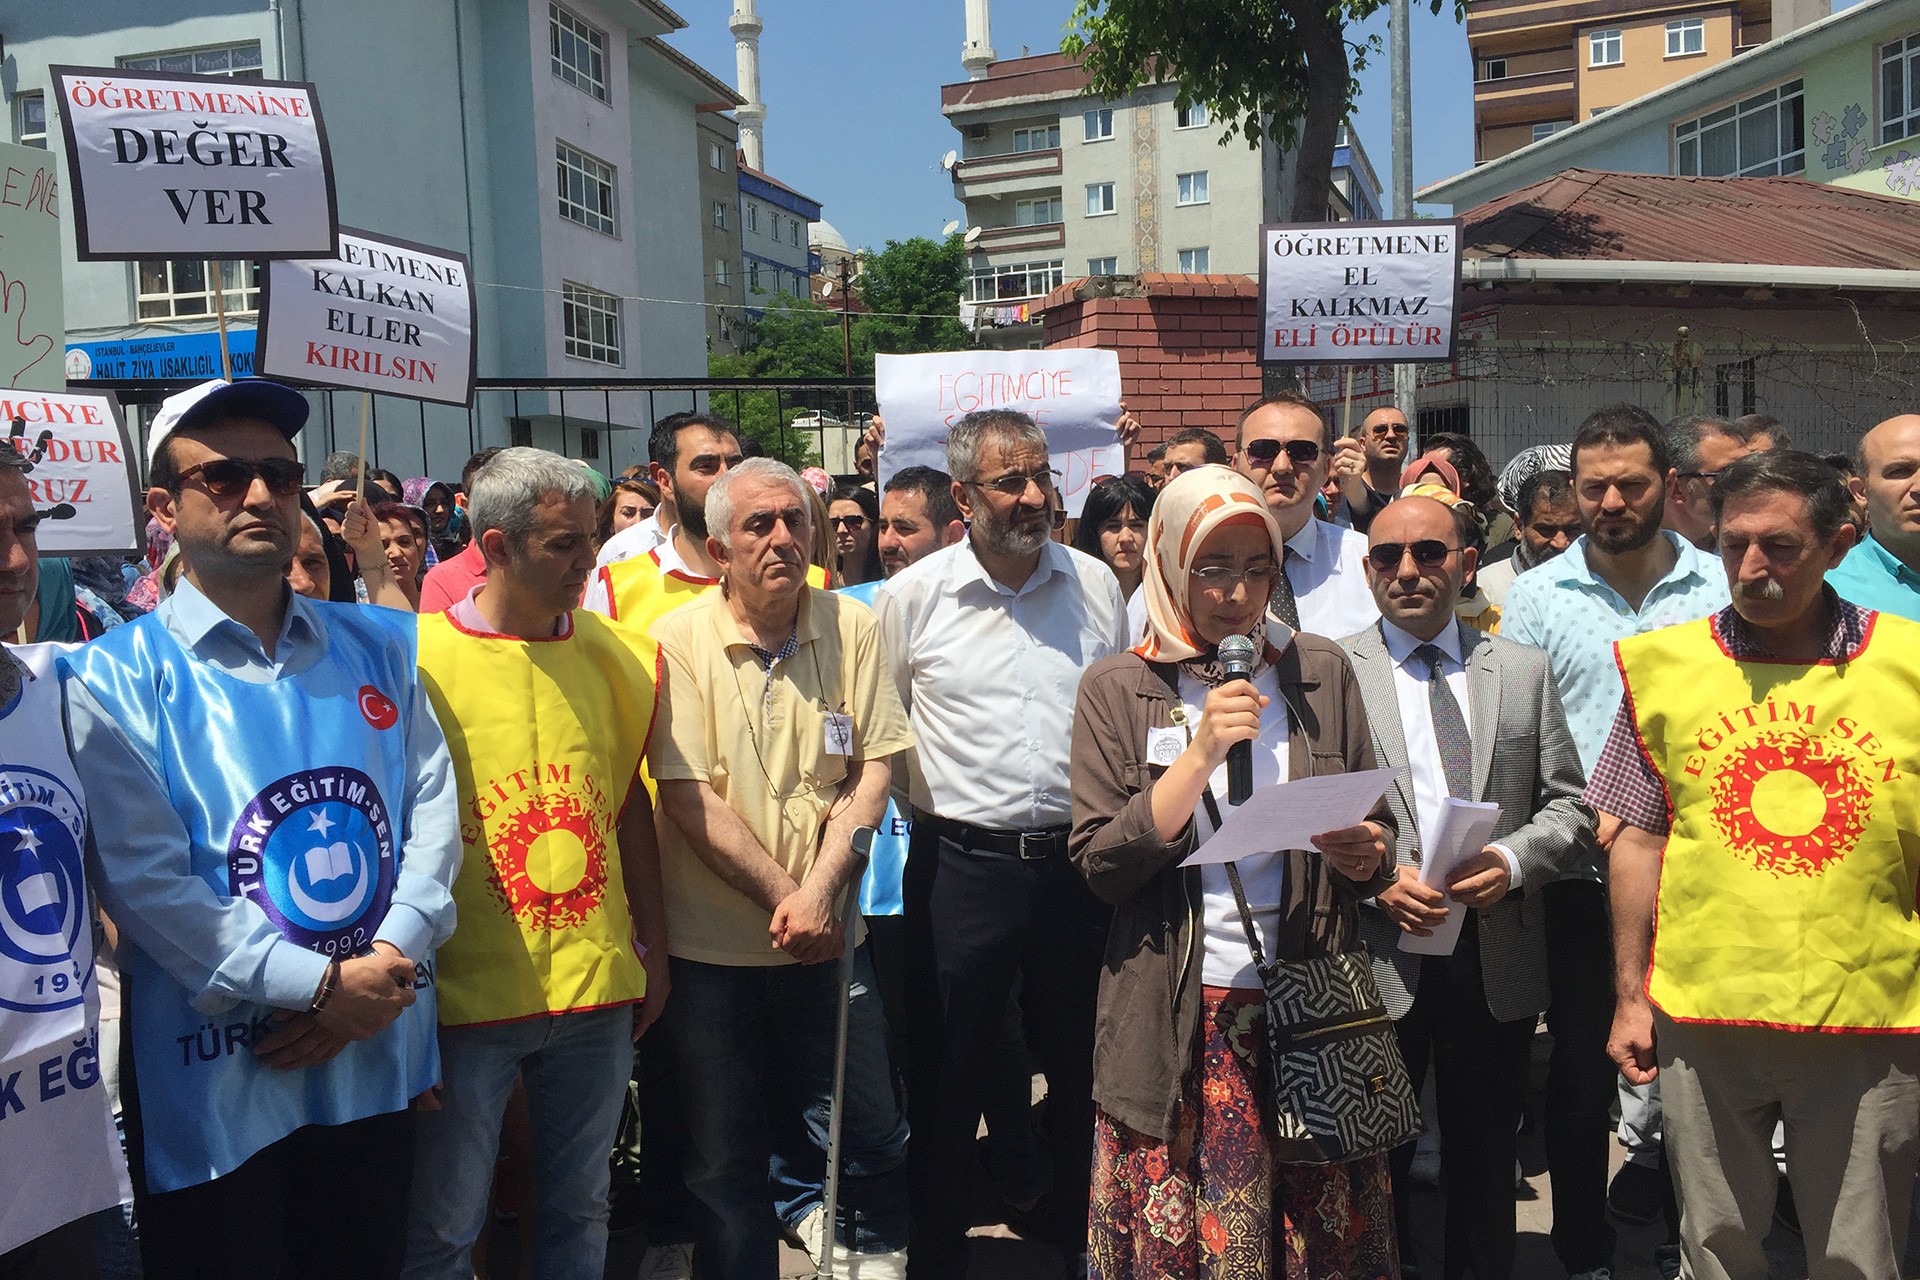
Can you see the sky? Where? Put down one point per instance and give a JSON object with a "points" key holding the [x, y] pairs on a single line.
{"points": [[852, 89]]}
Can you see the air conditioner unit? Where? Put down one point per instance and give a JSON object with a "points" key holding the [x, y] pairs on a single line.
{"points": [[520, 432]]}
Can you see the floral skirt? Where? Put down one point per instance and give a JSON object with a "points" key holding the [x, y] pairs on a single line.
{"points": [[1213, 1204]]}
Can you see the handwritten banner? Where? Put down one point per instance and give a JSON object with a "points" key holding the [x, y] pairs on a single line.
{"points": [[32, 324], [1073, 393], [82, 475], [1359, 292], [381, 315], [195, 166]]}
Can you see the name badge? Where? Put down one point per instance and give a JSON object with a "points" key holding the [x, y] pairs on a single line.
{"points": [[839, 730], [1164, 746]]}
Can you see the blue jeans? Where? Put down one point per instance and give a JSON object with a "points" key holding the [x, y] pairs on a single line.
{"points": [[575, 1067], [754, 1051]]}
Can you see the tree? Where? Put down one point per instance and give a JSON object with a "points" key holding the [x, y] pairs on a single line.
{"points": [[911, 290], [1279, 69]]}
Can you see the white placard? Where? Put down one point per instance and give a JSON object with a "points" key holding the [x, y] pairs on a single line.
{"points": [[381, 315], [1073, 393], [33, 333], [83, 476], [1359, 292], [165, 165]]}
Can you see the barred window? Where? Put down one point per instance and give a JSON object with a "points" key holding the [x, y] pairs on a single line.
{"points": [[171, 288], [592, 322]]}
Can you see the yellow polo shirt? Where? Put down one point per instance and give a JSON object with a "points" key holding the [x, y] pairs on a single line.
{"points": [[762, 746]]}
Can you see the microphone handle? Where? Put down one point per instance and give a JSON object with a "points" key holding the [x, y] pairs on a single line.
{"points": [[1239, 772]]}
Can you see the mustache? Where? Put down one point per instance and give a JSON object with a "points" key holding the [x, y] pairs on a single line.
{"points": [[1766, 589]]}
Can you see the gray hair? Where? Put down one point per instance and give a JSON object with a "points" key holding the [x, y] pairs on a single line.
{"points": [[514, 483], [982, 427], [1686, 433], [720, 496]]}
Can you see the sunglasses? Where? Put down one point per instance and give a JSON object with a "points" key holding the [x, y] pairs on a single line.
{"points": [[1301, 453], [232, 477], [1428, 553], [1388, 428], [854, 523]]}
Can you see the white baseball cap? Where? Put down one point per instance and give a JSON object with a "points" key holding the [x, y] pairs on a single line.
{"points": [[271, 402]]}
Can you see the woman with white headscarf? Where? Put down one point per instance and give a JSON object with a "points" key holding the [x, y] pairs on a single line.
{"points": [[1190, 1177]]}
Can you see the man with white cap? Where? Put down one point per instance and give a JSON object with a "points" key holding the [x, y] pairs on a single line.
{"points": [[278, 857]]}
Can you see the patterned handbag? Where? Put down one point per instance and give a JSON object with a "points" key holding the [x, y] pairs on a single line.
{"points": [[1333, 1063]]}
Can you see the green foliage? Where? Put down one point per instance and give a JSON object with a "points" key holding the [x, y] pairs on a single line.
{"points": [[918, 278]]}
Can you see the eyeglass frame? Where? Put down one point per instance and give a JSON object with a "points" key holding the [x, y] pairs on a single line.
{"points": [[1222, 579], [256, 470], [1402, 550], [1254, 448], [1043, 479]]}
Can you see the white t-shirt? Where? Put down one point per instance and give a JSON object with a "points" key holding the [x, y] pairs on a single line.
{"points": [[1228, 962]]}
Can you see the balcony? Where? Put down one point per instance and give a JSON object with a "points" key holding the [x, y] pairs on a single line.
{"points": [[1043, 235], [1007, 174], [1537, 95]]}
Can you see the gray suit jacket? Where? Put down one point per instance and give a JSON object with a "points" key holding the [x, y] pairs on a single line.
{"points": [[1524, 761]]}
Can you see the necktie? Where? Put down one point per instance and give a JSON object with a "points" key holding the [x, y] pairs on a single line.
{"points": [[1284, 606], [1449, 725]]}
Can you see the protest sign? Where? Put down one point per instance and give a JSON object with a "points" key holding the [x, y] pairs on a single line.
{"points": [[1359, 292], [81, 471], [1073, 393], [165, 165], [32, 324], [382, 315]]}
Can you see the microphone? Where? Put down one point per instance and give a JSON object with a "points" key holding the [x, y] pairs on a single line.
{"points": [[1236, 661]]}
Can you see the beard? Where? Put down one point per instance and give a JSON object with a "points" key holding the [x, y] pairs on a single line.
{"points": [[1639, 532], [693, 518], [999, 535]]}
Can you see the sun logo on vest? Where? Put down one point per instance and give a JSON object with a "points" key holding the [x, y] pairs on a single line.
{"points": [[1791, 804], [314, 851], [43, 902], [550, 862]]}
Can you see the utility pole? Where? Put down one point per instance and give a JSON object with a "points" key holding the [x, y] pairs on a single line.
{"points": [[1400, 36]]}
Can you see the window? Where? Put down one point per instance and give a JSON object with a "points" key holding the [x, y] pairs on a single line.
{"points": [[1039, 138], [1493, 69], [1036, 213], [30, 119], [592, 322], [1099, 123], [753, 277], [579, 52], [1012, 281], [1603, 48], [753, 216], [716, 157], [1099, 198], [720, 214], [1548, 128], [1685, 36], [1192, 188], [520, 432], [1899, 78], [720, 272], [1193, 260], [1598, 111], [1733, 388], [773, 226], [793, 233], [589, 442], [170, 288], [1192, 116], [586, 189], [1103, 266], [240, 61], [1761, 136]]}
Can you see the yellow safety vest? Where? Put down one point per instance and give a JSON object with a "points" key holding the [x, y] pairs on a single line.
{"points": [[639, 591], [1788, 887], [546, 738]]}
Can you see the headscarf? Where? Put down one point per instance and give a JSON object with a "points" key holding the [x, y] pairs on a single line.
{"points": [[59, 617], [1525, 465], [817, 477], [1432, 462], [1190, 509]]}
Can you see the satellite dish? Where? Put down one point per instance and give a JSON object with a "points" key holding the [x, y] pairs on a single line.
{"points": [[826, 290], [973, 234], [951, 227], [949, 160]]}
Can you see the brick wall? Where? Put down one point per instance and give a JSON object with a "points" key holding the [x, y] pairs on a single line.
{"points": [[1188, 345]]}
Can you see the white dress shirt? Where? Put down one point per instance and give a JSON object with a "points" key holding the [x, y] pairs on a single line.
{"points": [[1227, 961], [1326, 569], [1410, 676], [636, 539], [989, 677]]}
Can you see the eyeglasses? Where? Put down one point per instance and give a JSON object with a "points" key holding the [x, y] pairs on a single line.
{"points": [[232, 477], [1711, 477], [1428, 553], [854, 523], [1301, 453], [1388, 428], [1016, 484], [1221, 579]]}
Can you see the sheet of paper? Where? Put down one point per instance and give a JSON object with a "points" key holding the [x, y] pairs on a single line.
{"points": [[1288, 814], [1462, 830]]}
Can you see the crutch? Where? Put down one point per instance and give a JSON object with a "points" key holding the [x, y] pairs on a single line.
{"points": [[849, 916]]}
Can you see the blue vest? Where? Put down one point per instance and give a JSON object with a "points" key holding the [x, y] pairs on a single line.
{"points": [[880, 893], [294, 795]]}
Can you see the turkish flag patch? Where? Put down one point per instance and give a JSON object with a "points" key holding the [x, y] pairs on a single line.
{"points": [[378, 708]]}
